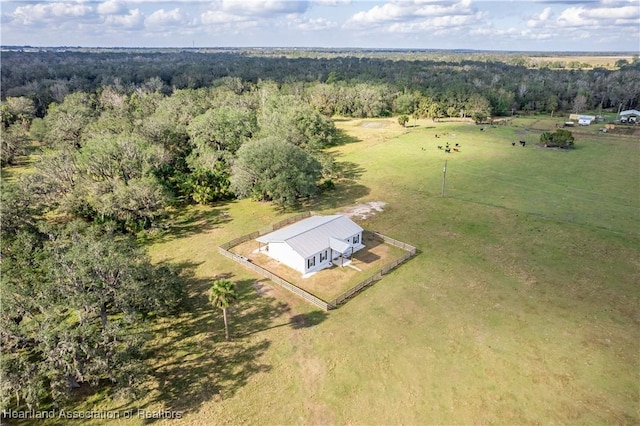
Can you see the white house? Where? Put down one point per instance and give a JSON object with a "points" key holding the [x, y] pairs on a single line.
{"points": [[314, 243], [583, 120]]}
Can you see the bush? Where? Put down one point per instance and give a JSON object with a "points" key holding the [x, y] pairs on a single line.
{"points": [[559, 139]]}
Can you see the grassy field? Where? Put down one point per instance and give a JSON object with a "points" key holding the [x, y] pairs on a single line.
{"points": [[521, 307]]}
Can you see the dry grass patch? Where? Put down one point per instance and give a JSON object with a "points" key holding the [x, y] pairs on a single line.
{"points": [[590, 60]]}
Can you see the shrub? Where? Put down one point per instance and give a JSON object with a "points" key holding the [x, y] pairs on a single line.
{"points": [[559, 139]]}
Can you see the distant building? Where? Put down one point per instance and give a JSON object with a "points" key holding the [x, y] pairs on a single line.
{"points": [[629, 116], [583, 120]]}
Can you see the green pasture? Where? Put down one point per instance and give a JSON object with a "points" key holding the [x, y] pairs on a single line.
{"points": [[521, 307]]}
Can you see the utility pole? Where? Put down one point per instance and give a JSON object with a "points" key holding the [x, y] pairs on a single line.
{"points": [[619, 109], [444, 176]]}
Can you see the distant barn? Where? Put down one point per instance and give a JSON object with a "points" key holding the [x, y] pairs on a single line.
{"points": [[629, 116]]}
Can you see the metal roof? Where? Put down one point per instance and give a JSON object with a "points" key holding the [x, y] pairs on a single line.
{"points": [[630, 112], [338, 245], [312, 235]]}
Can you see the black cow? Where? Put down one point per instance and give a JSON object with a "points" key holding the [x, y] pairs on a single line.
{"points": [[523, 143]]}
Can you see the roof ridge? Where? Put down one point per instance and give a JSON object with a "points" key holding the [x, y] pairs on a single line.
{"points": [[318, 225]]}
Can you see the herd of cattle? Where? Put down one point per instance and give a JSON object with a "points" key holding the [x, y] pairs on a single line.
{"points": [[456, 148]]}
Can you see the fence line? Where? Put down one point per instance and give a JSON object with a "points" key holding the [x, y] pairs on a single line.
{"points": [[377, 276], [278, 280], [411, 249]]}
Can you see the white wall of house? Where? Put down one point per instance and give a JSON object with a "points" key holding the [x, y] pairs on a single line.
{"points": [[355, 240], [320, 260], [282, 252]]}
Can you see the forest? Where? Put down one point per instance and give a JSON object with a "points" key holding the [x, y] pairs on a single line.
{"points": [[119, 139]]}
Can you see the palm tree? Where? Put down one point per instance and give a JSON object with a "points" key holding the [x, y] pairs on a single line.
{"points": [[222, 294]]}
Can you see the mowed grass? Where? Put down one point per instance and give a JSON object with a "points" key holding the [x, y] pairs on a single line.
{"points": [[521, 306]]}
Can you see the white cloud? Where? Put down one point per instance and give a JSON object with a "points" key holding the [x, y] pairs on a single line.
{"points": [[33, 14], [217, 17], [540, 19], [598, 17], [449, 23], [626, 12], [388, 12], [162, 18], [310, 24], [133, 20], [331, 2], [402, 13], [111, 7], [264, 8]]}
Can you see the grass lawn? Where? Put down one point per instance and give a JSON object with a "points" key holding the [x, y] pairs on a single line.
{"points": [[521, 307]]}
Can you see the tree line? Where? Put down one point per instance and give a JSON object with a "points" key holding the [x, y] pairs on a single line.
{"points": [[505, 80]]}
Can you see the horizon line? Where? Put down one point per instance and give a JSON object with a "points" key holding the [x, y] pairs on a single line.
{"points": [[319, 48]]}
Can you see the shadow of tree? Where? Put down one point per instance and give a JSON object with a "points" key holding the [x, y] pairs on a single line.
{"points": [[194, 363], [347, 170], [343, 138], [189, 221], [307, 320], [254, 314], [346, 190], [344, 193]]}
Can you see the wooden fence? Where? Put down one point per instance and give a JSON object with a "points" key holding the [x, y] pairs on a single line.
{"points": [[411, 249], [224, 250], [266, 230], [377, 276], [276, 279]]}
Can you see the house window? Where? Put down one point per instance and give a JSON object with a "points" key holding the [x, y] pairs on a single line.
{"points": [[356, 239], [311, 262], [323, 256]]}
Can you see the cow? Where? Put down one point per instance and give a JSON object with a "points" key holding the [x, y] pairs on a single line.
{"points": [[523, 143]]}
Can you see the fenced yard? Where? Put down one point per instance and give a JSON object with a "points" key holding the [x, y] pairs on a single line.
{"points": [[329, 287]]}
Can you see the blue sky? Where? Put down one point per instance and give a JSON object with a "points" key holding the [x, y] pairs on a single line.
{"points": [[527, 25]]}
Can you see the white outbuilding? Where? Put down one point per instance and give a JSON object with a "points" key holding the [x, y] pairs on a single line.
{"points": [[583, 120], [629, 116], [314, 243]]}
